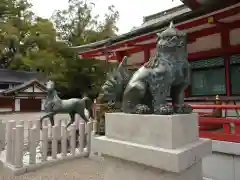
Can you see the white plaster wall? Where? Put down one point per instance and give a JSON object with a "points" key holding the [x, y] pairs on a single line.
{"points": [[103, 58], [218, 167], [17, 104], [234, 36], [136, 58], [224, 163], [205, 43], [5, 109], [236, 162]]}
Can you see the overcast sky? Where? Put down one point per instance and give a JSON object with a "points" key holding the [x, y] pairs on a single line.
{"points": [[131, 11]]}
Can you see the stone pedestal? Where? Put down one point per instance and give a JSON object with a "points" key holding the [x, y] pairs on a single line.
{"points": [[156, 147]]}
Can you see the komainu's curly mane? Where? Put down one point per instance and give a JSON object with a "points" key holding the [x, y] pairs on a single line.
{"points": [[153, 62]]}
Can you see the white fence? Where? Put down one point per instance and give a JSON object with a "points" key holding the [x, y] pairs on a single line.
{"points": [[28, 149]]}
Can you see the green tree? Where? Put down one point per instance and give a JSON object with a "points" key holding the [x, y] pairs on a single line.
{"points": [[108, 27], [15, 19], [77, 26], [32, 43]]}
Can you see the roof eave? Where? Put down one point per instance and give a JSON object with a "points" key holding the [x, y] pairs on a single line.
{"points": [[154, 27], [11, 91]]}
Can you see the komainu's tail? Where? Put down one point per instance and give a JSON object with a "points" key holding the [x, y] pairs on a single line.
{"points": [[113, 88], [88, 106]]}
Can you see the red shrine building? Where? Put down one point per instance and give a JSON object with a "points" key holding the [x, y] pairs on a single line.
{"points": [[213, 29], [21, 91]]}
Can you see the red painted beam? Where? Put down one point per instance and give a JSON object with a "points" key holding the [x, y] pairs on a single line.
{"points": [[201, 33], [203, 54], [214, 120], [197, 55], [219, 136], [216, 17], [213, 106]]}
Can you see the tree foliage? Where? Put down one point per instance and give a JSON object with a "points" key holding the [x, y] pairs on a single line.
{"points": [[31, 43]]}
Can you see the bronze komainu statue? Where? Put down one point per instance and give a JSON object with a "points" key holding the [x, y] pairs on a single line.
{"points": [[146, 91]]}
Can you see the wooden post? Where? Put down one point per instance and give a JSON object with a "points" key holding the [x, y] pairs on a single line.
{"points": [[37, 125], [32, 145], [44, 143], [2, 135], [64, 140], [73, 139], [19, 146], [54, 141], [94, 126], [21, 122], [81, 135], [45, 123], [29, 126], [77, 121], [89, 124], [13, 146], [9, 138]]}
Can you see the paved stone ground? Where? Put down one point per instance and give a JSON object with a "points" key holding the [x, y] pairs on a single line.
{"points": [[81, 169]]}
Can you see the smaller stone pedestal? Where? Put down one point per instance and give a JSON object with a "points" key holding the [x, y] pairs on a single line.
{"points": [[156, 147]]}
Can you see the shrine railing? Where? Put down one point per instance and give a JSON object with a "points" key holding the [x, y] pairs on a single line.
{"points": [[226, 128]]}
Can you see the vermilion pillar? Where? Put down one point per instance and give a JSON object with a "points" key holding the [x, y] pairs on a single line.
{"points": [[226, 45]]}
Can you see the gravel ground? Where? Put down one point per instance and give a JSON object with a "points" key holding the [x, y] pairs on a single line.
{"points": [[80, 169]]}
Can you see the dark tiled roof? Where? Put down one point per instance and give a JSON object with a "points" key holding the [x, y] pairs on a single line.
{"points": [[151, 27], [12, 76], [24, 85]]}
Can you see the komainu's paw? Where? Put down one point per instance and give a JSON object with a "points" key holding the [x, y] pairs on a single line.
{"points": [[164, 110], [184, 109], [142, 109]]}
